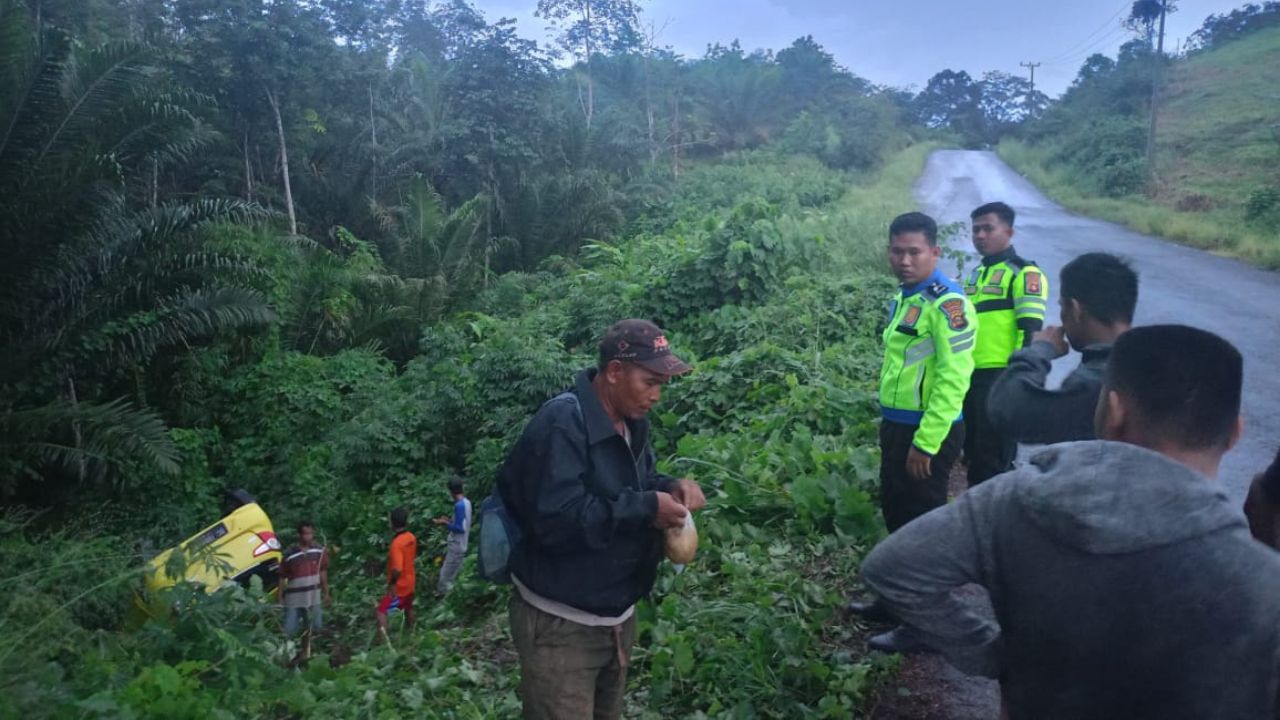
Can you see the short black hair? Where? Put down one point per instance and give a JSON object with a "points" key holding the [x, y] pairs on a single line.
{"points": [[306, 524], [1104, 284], [914, 222], [999, 209], [399, 518], [1185, 383], [455, 485]]}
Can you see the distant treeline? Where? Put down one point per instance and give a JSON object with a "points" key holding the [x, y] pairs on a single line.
{"points": [[1218, 30]]}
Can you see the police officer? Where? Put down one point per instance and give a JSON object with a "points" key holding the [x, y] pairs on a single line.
{"points": [[928, 360], [1010, 295]]}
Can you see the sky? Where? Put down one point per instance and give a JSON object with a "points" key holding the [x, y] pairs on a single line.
{"points": [[903, 43]]}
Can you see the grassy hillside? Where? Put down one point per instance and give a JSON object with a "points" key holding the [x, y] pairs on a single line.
{"points": [[1219, 134], [1218, 156]]}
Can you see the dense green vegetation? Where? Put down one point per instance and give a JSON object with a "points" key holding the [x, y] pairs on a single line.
{"points": [[778, 307], [460, 222], [1216, 183]]}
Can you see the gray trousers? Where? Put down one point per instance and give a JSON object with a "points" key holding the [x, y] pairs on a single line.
{"points": [[455, 553]]}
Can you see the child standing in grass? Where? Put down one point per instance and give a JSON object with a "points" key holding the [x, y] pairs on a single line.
{"points": [[401, 578], [459, 531]]}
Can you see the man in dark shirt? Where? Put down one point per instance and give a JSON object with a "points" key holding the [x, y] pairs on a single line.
{"points": [[1262, 506], [1098, 296], [583, 486]]}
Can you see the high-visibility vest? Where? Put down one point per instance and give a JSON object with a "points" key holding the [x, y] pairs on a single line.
{"points": [[1010, 295], [928, 358]]}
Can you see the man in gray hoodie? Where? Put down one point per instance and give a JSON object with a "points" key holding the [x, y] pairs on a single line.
{"points": [[1124, 583]]}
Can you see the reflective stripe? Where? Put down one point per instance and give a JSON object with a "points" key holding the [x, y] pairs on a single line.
{"points": [[1030, 306], [967, 335], [916, 353], [961, 348], [992, 305], [920, 382]]}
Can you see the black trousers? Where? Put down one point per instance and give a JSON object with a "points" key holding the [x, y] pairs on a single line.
{"points": [[989, 453], [902, 497]]}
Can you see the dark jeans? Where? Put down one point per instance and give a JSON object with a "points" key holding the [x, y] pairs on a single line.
{"points": [[988, 452], [902, 497], [569, 671]]}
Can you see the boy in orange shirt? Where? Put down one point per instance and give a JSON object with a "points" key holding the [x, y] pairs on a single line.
{"points": [[401, 577]]}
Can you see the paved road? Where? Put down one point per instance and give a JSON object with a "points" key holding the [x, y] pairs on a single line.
{"points": [[1178, 284]]}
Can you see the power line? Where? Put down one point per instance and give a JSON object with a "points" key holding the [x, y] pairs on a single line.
{"points": [[1073, 49], [1099, 44]]}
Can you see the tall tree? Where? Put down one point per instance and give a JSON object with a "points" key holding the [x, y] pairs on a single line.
{"points": [[262, 61], [1144, 15], [1009, 99], [952, 100], [96, 283], [588, 26], [738, 93]]}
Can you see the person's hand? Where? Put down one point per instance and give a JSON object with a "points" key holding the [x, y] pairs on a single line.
{"points": [[328, 600], [1055, 336], [918, 464], [689, 494], [670, 512], [441, 521]]}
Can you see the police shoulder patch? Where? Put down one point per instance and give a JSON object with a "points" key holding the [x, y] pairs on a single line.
{"points": [[1031, 282], [954, 310]]}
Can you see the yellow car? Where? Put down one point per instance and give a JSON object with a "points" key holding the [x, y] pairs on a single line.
{"points": [[233, 550]]}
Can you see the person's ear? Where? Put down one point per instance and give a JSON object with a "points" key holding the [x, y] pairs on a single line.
{"points": [[1110, 418], [1011, 231], [1236, 433], [613, 372], [935, 250]]}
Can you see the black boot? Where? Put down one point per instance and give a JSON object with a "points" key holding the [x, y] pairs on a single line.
{"points": [[872, 612], [898, 640]]}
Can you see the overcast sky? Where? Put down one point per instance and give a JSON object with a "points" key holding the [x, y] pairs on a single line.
{"points": [[903, 43]]}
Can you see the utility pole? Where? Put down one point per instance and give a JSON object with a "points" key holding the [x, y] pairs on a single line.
{"points": [[1032, 66], [1155, 97]]}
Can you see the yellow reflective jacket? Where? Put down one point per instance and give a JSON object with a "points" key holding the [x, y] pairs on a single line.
{"points": [[1010, 295], [928, 358]]}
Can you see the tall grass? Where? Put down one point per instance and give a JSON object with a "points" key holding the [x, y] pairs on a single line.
{"points": [[1221, 230]]}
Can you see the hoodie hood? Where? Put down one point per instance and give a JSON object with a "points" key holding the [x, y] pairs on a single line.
{"points": [[1109, 498]]}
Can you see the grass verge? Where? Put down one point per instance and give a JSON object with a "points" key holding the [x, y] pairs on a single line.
{"points": [[1222, 230]]}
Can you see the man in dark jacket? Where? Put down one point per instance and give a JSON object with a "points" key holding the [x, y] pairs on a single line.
{"points": [[1262, 506], [1124, 583], [1098, 297], [582, 484]]}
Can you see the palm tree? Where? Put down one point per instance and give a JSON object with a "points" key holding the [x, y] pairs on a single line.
{"points": [[439, 254], [97, 277]]}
